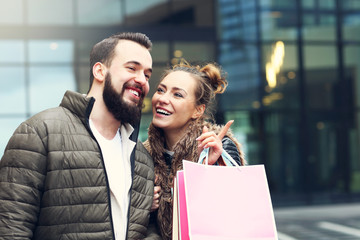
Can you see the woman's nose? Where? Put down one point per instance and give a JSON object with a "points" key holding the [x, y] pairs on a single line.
{"points": [[164, 98]]}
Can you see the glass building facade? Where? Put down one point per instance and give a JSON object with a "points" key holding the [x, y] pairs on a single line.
{"points": [[292, 69]]}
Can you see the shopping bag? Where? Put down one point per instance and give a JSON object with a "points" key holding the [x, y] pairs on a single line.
{"points": [[224, 202], [180, 220]]}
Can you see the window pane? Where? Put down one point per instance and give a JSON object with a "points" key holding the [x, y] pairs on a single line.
{"points": [[327, 4], [160, 52], [319, 4], [352, 71], [241, 64], [50, 12], [84, 79], [281, 68], [350, 4], [194, 51], [11, 12], [84, 49], [193, 13], [138, 7], [237, 20], [12, 91], [282, 151], [7, 128], [278, 4], [351, 26], [308, 4], [278, 25], [48, 85], [355, 155], [319, 27], [105, 12], [321, 76], [12, 51], [59, 51]]}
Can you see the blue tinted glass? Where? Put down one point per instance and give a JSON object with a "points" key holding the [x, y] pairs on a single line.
{"points": [[12, 91], [12, 51], [351, 26], [48, 85], [59, 51]]}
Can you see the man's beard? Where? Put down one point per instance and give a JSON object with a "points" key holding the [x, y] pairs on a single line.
{"points": [[121, 110]]}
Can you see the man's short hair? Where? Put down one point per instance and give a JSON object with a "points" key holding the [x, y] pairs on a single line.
{"points": [[104, 51]]}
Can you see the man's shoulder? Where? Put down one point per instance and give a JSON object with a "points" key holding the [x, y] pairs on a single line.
{"points": [[142, 156], [56, 113]]}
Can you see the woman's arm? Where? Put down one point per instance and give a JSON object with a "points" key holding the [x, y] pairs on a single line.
{"points": [[230, 147]]}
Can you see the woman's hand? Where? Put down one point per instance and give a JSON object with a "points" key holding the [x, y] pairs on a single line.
{"points": [[156, 199], [213, 141]]}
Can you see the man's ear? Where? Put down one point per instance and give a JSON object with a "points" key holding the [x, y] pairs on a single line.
{"points": [[99, 71], [199, 111]]}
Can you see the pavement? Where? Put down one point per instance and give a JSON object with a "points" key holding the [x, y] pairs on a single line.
{"points": [[325, 222]]}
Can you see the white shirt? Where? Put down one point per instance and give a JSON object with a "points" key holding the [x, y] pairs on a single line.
{"points": [[116, 154]]}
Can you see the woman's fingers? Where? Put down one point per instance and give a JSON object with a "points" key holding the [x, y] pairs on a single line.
{"points": [[156, 198], [224, 130]]}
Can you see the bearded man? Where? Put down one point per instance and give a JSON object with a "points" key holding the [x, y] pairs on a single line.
{"points": [[71, 172]]}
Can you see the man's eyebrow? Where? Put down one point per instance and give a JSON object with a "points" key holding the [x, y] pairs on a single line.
{"points": [[138, 64]]}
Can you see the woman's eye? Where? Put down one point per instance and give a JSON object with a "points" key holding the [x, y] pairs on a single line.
{"points": [[178, 95], [160, 90]]}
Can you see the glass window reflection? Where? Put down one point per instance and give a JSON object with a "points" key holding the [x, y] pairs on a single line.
{"points": [[45, 51], [105, 12], [321, 76], [194, 51], [319, 27], [238, 22], [281, 70], [50, 12], [48, 85], [12, 51], [350, 4], [11, 12], [278, 25], [241, 65], [352, 66], [134, 7], [12, 91], [160, 51], [351, 27]]}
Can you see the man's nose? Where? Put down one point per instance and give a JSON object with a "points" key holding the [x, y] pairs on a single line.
{"points": [[141, 79]]}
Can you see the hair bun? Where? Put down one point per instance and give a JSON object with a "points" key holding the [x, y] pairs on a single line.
{"points": [[216, 77]]}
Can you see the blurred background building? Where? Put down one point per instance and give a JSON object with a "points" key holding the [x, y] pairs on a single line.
{"points": [[293, 70]]}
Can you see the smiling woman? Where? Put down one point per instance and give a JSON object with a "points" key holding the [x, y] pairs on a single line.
{"points": [[181, 127]]}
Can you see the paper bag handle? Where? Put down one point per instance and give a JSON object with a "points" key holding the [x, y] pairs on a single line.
{"points": [[228, 160]]}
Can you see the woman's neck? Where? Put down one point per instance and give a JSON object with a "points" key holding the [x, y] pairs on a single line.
{"points": [[171, 138]]}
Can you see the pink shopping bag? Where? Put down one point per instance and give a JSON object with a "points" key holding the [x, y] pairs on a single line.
{"points": [[223, 202], [180, 220]]}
